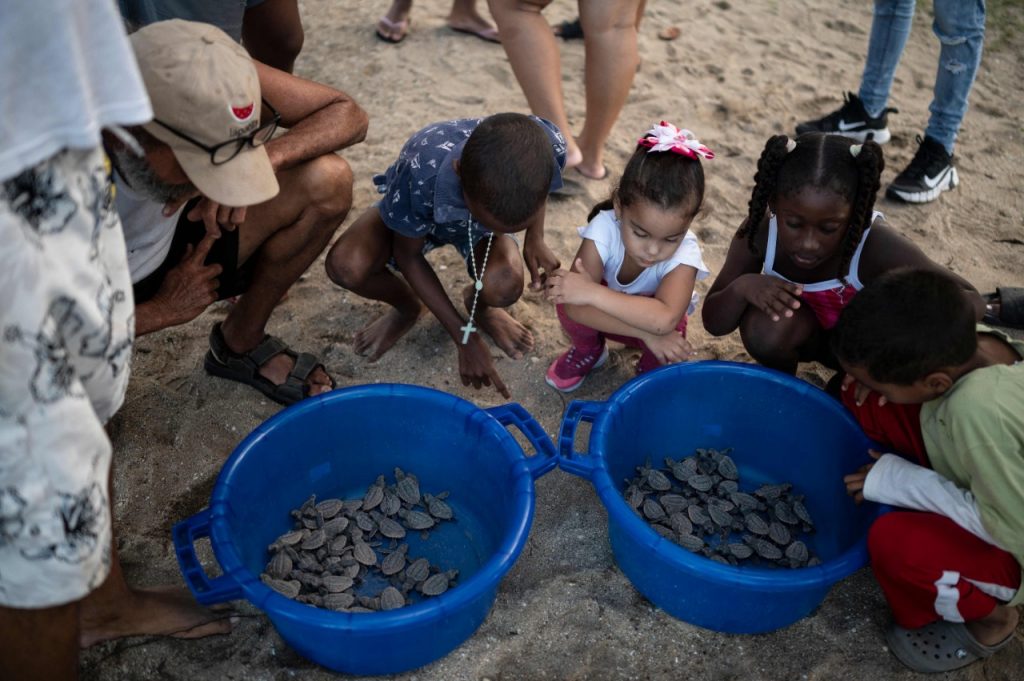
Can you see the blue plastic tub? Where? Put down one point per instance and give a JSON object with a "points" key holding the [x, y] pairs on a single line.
{"points": [[335, 446], [781, 429]]}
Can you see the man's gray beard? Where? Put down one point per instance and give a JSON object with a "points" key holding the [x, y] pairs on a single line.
{"points": [[141, 178]]}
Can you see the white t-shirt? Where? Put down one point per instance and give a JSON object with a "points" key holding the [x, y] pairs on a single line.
{"points": [[606, 232], [66, 72], [147, 231]]}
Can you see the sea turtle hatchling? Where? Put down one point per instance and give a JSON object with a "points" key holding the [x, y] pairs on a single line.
{"points": [[364, 553], [727, 468], [784, 513], [407, 487], [737, 549], [395, 561], [683, 469], [391, 598], [801, 512], [418, 570], [416, 520], [335, 526], [337, 583], [388, 527], [390, 504], [779, 533], [797, 552], [280, 565], [665, 532], [653, 510], [435, 585], [755, 523], [697, 515], [338, 601], [691, 542], [680, 523], [700, 482], [315, 540], [763, 547], [374, 495], [673, 503], [288, 588], [658, 481], [718, 516], [438, 508], [330, 507]]}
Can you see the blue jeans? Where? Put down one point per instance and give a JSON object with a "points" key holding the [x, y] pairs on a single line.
{"points": [[960, 28]]}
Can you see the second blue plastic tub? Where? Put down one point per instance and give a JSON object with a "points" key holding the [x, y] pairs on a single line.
{"points": [[780, 429], [335, 446]]}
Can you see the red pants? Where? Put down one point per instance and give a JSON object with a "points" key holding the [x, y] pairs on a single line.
{"points": [[588, 340], [930, 568], [894, 426]]}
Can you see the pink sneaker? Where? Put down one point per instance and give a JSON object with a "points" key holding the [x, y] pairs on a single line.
{"points": [[568, 371]]}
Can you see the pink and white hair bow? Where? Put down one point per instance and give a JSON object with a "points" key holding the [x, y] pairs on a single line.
{"points": [[667, 137]]}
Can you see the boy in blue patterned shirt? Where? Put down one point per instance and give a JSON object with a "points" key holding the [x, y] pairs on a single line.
{"points": [[470, 183]]}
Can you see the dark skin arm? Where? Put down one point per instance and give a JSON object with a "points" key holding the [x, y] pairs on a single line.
{"points": [[319, 120], [886, 250], [740, 284], [475, 365]]}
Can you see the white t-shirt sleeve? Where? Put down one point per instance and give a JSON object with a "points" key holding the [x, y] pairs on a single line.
{"points": [[896, 481], [603, 230]]}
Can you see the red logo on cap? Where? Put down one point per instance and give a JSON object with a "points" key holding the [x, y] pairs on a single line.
{"points": [[242, 113]]}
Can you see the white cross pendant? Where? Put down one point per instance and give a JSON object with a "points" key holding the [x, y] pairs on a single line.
{"points": [[466, 330]]}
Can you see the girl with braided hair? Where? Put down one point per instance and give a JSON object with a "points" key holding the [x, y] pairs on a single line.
{"points": [[810, 241]]}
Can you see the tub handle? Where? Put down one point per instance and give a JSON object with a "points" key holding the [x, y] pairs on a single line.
{"points": [[571, 461], [513, 414], [206, 590]]}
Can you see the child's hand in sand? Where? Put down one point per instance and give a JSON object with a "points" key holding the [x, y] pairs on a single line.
{"points": [[855, 481], [773, 296], [566, 287], [476, 367], [538, 258], [669, 348]]}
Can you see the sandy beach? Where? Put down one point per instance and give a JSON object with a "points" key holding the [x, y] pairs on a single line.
{"points": [[740, 72]]}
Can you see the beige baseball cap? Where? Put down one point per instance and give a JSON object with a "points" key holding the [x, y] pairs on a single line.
{"points": [[204, 84]]}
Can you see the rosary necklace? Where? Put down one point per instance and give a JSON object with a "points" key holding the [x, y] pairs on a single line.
{"points": [[478, 281]]}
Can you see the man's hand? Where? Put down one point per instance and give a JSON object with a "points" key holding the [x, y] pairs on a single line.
{"points": [[669, 348], [538, 257], [189, 287], [213, 215], [565, 287], [855, 481], [476, 367]]}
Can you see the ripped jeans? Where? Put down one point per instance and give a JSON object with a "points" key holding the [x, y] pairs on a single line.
{"points": [[960, 27]]}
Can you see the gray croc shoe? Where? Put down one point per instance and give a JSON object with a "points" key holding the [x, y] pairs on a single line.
{"points": [[938, 647]]}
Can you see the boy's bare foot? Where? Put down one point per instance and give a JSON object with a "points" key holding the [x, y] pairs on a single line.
{"points": [[378, 336], [508, 334], [160, 611], [573, 155]]}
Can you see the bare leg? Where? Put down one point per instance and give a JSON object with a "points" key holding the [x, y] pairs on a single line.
{"points": [[994, 629], [358, 262], [609, 33], [115, 610], [779, 345], [272, 32], [39, 645], [503, 285], [465, 17], [285, 235], [533, 53], [397, 15]]}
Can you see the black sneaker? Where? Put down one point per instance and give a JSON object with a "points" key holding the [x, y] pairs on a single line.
{"points": [[851, 120], [930, 173]]}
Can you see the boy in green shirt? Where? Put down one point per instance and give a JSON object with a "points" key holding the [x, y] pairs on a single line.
{"points": [[952, 573]]}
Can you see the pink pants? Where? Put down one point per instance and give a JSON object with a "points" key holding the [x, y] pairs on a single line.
{"points": [[589, 340], [930, 568]]}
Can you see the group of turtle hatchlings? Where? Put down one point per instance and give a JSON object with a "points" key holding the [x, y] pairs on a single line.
{"points": [[333, 548], [697, 503]]}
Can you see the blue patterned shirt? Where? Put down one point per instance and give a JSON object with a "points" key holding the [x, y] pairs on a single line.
{"points": [[423, 194]]}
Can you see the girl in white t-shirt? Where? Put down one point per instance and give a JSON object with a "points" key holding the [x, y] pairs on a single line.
{"points": [[633, 276]]}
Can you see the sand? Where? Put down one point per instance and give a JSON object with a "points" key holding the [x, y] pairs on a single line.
{"points": [[739, 73]]}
